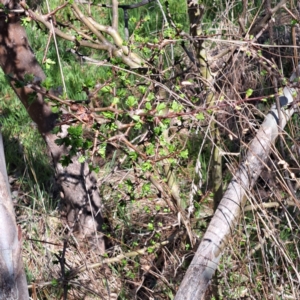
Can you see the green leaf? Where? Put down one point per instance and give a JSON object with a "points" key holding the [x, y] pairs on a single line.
{"points": [[176, 107], [89, 82], [148, 106], [136, 118], [150, 226], [59, 142], [102, 150], [160, 107], [113, 127], [65, 160], [263, 73], [200, 116], [184, 154], [146, 188], [187, 247], [294, 22], [75, 130], [150, 149], [95, 169], [106, 89], [55, 130], [81, 159], [150, 96], [249, 92], [28, 78], [87, 144], [131, 101], [48, 63], [142, 89], [54, 282], [25, 21], [146, 166], [150, 249], [133, 155], [108, 114], [157, 130], [48, 83], [138, 125], [116, 100], [121, 93], [55, 109]]}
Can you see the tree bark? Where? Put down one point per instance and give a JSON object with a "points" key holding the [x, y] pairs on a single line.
{"points": [[81, 198], [221, 227], [13, 284]]}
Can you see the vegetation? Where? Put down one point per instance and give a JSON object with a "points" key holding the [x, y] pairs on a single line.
{"points": [[164, 119]]}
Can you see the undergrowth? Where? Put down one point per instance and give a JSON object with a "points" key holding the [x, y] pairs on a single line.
{"points": [[148, 247]]}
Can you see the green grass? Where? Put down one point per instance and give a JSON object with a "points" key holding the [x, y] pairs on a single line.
{"points": [[23, 143], [32, 179]]}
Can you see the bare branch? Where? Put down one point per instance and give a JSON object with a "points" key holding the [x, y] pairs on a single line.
{"points": [[124, 6], [72, 38], [257, 26], [85, 20], [115, 15], [242, 18], [131, 59]]}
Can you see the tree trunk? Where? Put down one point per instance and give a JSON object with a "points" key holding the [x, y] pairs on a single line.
{"points": [[13, 284], [81, 197]]}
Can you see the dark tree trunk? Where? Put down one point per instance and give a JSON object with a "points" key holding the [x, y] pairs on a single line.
{"points": [[81, 198]]}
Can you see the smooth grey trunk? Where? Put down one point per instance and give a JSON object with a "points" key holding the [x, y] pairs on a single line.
{"points": [[13, 284]]}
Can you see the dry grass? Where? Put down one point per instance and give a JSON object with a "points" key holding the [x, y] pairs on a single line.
{"points": [[148, 249]]}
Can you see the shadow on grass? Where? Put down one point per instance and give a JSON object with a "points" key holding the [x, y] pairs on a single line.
{"points": [[28, 165]]}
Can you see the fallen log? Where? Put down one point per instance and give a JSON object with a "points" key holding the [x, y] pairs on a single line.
{"points": [[226, 217]]}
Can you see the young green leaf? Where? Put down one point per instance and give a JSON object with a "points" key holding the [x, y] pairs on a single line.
{"points": [[249, 92]]}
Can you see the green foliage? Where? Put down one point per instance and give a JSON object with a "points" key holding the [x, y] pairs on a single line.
{"points": [[146, 120], [20, 134], [76, 142]]}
